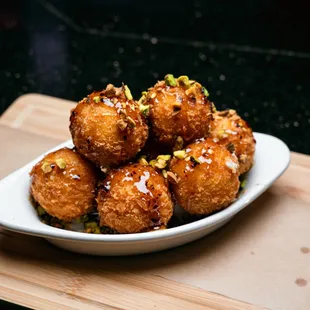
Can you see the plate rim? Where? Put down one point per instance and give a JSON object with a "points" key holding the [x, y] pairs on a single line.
{"points": [[207, 222]]}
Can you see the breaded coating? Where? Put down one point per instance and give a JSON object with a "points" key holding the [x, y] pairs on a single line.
{"points": [[206, 177], [107, 127], [134, 198], [235, 133], [179, 111], [63, 183]]}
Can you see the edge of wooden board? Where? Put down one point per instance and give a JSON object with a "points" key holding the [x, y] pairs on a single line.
{"points": [[31, 279], [33, 113]]}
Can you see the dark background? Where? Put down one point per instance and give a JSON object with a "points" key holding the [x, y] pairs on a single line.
{"points": [[253, 56]]}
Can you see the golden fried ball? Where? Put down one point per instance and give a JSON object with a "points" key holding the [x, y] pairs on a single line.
{"points": [[107, 127], [179, 111], [134, 198], [206, 177], [64, 184], [235, 133]]}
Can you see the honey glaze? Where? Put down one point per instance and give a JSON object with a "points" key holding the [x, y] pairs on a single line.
{"points": [[108, 102], [141, 185]]}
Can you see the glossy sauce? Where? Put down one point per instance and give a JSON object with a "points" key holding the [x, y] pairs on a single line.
{"points": [[119, 103], [141, 185], [108, 102]]}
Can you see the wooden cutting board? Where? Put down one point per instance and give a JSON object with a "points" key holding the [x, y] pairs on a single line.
{"points": [[260, 259]]}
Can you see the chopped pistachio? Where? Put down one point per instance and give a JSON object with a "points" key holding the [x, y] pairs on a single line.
{"points": [[144, 109], [191, 91], [243, 184], [177, 106], [242, 158], [143, 161], [161, 163], [223, 113], [164, 172], [178, 143], [222, 134], [118, 91], [231, 147], [110, 90], [123, 112], [170, 80], [195, 160], [183, 80], [90, 225], [46, 167], [96, 99], [127, 92], [172, 178], [152, 163], [96, 230], [141, 100], [40, 211], [110, 87], [213, 108], [179, 154], [104, 169], [206, 93], [131, 122], [121, 124], [60, 162], [164, 157], [144, 93], [159, 83]]}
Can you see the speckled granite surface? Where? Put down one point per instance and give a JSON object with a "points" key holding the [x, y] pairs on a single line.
{"points": [[252, 56]]}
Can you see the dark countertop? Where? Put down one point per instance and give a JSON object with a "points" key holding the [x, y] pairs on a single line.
{"points": [[252, 56]]}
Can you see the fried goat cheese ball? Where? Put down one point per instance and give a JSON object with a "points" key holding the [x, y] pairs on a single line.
{"points": [[179, 110], [206, 177], [234, 133], [107, 127], [63, 183], [134, 198]]}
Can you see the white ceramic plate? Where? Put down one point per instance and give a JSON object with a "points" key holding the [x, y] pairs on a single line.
{"points": [[16, 212]]}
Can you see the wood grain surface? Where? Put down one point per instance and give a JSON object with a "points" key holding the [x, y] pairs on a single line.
{"points": [[261, 258]]}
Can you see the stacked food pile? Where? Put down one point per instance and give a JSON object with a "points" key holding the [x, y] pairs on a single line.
{"points": [[133, 161]]}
